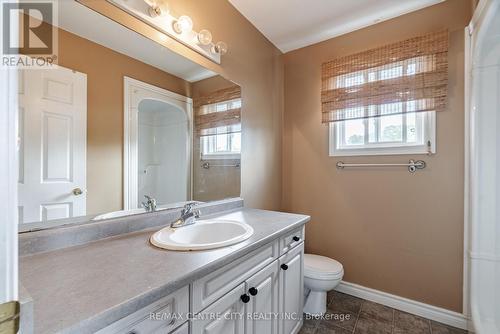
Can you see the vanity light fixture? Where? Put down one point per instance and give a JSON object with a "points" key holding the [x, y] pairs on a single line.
{"points": [[157, 14], [157, 7], [220, 48], [183, 25], [205, 37]]}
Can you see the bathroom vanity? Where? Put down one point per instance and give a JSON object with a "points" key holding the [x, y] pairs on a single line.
{"points": [[91, 199], [123, 284], [264, 283]]}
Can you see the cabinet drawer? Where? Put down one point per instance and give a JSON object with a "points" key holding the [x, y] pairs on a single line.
{"points": [[287, 242], [154, 318], [208, 289]]}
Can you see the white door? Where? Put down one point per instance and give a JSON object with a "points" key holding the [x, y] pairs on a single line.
{"points": [[225, 316], [263, 289], [52, 144], [291, 290]]}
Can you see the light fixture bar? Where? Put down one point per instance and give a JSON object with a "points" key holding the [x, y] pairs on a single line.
{"points": [[156, 13]]}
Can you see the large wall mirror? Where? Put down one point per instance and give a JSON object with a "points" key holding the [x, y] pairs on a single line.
{"points": [[121, 122]]}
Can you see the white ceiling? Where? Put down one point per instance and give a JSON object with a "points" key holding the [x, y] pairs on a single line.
{"points": [[292, 24], [84, 22]]}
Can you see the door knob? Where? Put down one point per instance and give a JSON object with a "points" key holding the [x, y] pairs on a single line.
{"points": [[284, 266], [295, 238], [77, 191]]}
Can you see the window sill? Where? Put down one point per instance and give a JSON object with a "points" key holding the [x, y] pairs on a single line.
{"points": [[223, 156], [383, 151]]}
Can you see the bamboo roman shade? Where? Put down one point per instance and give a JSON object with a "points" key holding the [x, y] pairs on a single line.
{"points": [[407, 76], [218, 112]]}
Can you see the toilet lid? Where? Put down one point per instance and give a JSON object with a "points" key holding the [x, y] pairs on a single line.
{"points": [[322, 267]]}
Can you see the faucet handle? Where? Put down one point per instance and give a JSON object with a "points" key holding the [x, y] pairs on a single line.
{"points": [[188, 207], [197, 213], [150, 204]]}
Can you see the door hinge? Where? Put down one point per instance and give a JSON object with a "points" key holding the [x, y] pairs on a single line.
{"points": [[9, 317]]}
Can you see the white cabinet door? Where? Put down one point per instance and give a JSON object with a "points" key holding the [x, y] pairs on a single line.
{"points": [[225, 316], [52, 144], [184, 329], [291, 290], [263, 289]]}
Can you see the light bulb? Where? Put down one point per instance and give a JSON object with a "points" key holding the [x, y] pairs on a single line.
{"points": [[205, 37], [184, 24], [158, 7], [220, 48]]}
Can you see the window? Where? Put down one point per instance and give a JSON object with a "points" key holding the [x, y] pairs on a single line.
{"points": [[384, 100], [220, 106], [397, 130], [221, 142], [407, 67], [221, 146], [403, 133]]}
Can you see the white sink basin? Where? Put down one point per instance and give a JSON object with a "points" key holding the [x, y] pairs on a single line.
{"points": [[118, 214], [124, 213], [204, 234]]}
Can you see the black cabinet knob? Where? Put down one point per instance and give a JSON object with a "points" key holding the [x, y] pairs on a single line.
{"points": [[296, 238], [245, 298], [284, 266], [253, 291]]}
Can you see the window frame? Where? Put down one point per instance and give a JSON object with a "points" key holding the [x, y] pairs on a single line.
{"points": [[228, 155], [387, 148], [221, 106]]}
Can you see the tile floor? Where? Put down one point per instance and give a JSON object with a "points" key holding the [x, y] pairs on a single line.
{"points": [[347, 315]]}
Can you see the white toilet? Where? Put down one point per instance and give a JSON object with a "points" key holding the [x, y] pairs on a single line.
{"points": [[321, 274]]}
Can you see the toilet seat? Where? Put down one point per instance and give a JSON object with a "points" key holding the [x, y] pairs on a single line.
{"points": [[322, 267]]}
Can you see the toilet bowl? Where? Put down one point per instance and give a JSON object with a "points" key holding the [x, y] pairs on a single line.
{"points": [[321, 274]]}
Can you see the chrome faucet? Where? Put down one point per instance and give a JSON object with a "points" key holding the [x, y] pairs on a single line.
{"points": [[150, 204], [188, 216]]}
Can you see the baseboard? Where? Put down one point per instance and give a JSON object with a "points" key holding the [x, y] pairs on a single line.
{"points": [[407, 305]]}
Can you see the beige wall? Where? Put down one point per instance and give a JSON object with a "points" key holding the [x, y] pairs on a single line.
{"points": [[105, 70], [253, 63], [217, 182], [393, 231]]}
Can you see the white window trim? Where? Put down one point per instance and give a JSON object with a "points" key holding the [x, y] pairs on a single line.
{"points": [[221, 156], [218, 155], [388, 149]]}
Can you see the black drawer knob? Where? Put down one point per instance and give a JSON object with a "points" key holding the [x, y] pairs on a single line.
{"points": [[296, 238], [245, 298], [284, 266], [253, 291]]}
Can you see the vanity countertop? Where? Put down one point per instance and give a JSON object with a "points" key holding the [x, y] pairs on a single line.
{"points": [[84, 288]]}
